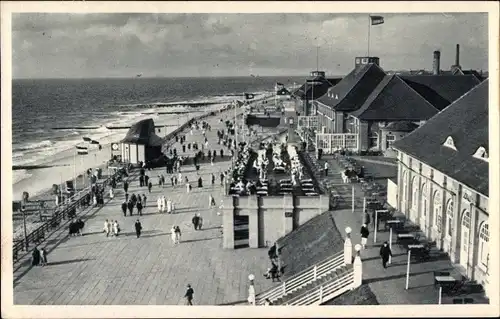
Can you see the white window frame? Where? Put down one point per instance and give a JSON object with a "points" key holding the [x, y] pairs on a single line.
{"points": [[450, 143], [484, 238], [389, 142], [449, 219], [438, 212], [372, 136]]}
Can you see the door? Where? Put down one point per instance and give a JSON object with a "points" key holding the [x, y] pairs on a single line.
{"points": [[464, 240], [241, 231]]}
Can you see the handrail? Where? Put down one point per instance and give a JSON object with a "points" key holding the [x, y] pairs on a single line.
{"points": [[310, 274], [316, 294], [37, 235]]}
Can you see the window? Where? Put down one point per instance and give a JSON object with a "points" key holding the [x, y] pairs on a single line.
{"points": [[481, 153], [484, 237], [373, 140], [414, 199], [437, 211], [450, 143], [449, 218], [424, 200], [389, 140]]}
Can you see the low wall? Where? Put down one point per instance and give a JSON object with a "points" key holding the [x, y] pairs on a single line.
{"points": [[270, 217]]}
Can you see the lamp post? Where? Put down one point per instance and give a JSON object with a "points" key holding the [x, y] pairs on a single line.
{"points": [[390, 244], [408, 269], [251, 290]]}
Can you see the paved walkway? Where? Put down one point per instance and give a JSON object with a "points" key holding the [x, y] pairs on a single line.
{"points": [[388, 285], [95, 270]]}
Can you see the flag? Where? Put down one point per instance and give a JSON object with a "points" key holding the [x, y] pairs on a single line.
{"points": [[94, 142], [377, 20], [87, 139], [249, 96]]}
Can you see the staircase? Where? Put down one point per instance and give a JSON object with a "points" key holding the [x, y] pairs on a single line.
{"points": [[327, 279]]}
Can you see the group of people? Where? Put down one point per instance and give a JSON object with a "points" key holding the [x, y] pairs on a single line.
{"points": [[111, 227], [164, 203], [76, 227], [135, 201], [39, 257]]}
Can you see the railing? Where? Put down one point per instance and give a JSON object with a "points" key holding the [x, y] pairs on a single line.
{"points": [[325, 292], [310, 274], [61, 212]]}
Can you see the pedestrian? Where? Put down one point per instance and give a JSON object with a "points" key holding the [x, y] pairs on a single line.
{"points": [[111, 193], [211, 201], [146, 180], [385, 253], [172, 180], [141, 181], [195, 220], [163, 204], [173, 235], [107, 227], [326, 168], [179, 177], [150, 185], [124, 209], [125, 186], [222, 153], [200, 182], [158, 202], [213, 179], [221, 179], [116, 228], [200, 221], [144, 200], [189, 294], [364, 235], [159, 180], [138, 228], [177, 234], [139, 207], [43, 257], [169, 206], [35, 257], [188, 187], [131, 207]]}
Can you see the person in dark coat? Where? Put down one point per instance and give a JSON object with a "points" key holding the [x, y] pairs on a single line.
{"points": [[138, 228], [150, 186], [133, 198], [141, 181], [195, 221], [125, 186], [213, 179], [130, 207], [146, 180], [222, 153], [35, 257], [172, 180], [189, 295], [364, 235], [124, 208], [80, 224], [385, 252], [139, 208], [221, 179], [200, 182], [126, 197]]}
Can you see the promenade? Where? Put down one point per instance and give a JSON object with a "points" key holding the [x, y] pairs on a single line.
{"points": [[125, 270], [388, 285]]}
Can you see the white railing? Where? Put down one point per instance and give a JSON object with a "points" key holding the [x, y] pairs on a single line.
{"points": [[325, 292], [301, 279]]}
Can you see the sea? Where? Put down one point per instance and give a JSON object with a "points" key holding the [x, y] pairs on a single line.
{"points": [[86, 106]]}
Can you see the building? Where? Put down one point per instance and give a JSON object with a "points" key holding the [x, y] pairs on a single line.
{"points": [[141, 144], [314, 87], [442, 182], [357, 112]]}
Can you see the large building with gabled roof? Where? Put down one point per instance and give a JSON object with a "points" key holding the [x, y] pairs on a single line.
{"points": [[443, 177], [368, 100]]}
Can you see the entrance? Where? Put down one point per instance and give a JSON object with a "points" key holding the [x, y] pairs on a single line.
{"points": [[241, 231], [464, 240]]}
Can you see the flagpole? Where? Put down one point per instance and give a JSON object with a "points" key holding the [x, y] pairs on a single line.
{"points": [[369, 27], [74, 171]]}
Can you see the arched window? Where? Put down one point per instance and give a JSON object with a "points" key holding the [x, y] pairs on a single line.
{"points": [[484, 237], [424, 200], [414, 199], [405, 186], [449, 218], [437, 211]]}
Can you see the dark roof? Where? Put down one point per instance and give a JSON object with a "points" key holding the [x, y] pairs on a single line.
{"points": [[143, 133], [400, 126], [283, 91], [393, 99], [441, 90], [466, 121], [354, 88], [312, 242], [315, 89]]}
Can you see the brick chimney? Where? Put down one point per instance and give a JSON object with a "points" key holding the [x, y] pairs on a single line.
{"points": [[436, 62], [457, 56]]}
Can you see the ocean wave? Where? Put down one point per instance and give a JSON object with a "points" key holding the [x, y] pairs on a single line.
{"points": [[35, 145]]}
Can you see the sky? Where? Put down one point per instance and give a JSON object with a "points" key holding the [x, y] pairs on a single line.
{"points": [[61, 45]]}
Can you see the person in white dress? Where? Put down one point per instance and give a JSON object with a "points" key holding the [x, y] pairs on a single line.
{"points": [[173, 235], [115, 228], [163, 204], [111, 193], [158, 202], [179, 177], [169, 206], [106, 228], [188, 186]]}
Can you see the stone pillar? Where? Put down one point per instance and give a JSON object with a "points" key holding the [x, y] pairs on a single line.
{"points": [[358, 267], [253, 227], [227, 224], [348, 247]]}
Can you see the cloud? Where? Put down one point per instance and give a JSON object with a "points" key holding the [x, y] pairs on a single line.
{"points": [[94, 45]]}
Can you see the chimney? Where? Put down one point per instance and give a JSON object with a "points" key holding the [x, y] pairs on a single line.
{"points": [[457, 55], [435, 63]]}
